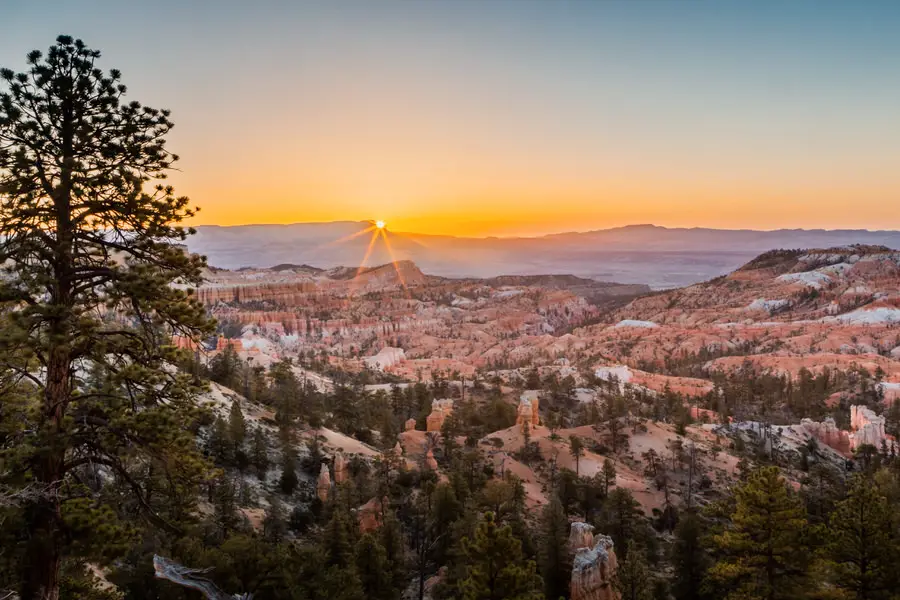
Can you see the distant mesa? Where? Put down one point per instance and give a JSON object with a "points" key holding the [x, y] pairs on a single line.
{"points": [[642, 254]]}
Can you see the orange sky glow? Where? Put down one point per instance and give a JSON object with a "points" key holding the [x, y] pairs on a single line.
{"points": [[513, 117]]}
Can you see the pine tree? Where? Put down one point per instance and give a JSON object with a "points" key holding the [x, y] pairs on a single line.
{"points": [[761, 554], [259, 452], [274, 525], [622, 520], [689, 559], [83, 240], [225, 507], [632, 578], [555, 557], [373, 569], [225, 368], [237, 426], [862, 543], [576, 448], [339, 538], [219, 443], [495, 568], [288, 481], [609, 476], [391, 536]]}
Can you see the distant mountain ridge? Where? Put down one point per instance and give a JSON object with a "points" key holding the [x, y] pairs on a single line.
{"points": [[659, 256]]}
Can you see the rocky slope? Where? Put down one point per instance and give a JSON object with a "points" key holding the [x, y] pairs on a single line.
{"points": [[783, 311]]}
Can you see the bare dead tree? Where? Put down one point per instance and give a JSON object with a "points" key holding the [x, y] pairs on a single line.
{"points": [[192, 579]]}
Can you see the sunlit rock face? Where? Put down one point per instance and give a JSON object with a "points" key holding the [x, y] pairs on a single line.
{"points": [[593, 565], [340, 468], [524, 414], [430, 461], [828, 433], [323, 486], [581, 535], [440, 410], [867, 428]]}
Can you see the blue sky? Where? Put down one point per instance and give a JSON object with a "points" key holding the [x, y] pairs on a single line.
{"points": [[512, 116]]}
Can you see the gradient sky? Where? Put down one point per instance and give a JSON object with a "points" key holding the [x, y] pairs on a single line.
{"points": [[511, 117]]}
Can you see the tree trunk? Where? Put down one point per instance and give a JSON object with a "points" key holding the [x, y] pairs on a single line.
{"points": [[44, 548], [40, 579]]}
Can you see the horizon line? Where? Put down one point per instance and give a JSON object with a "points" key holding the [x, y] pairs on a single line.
{"points": [[555, 233]]}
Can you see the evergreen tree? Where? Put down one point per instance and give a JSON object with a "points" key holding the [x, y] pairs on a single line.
{"points": [[623, 520], [391, 536], [237, 426], [495, 568], [862, 543], [633, 580], [288, 481], [689, 559], [762, 554], [259, 452], [609, 476], [219, 443], [225, 368], [82, 239], [274, 524], [373, 569], [340, 538], [576, 448], [225, 507], [555, 557]]}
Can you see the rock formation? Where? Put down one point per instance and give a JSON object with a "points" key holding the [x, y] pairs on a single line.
{"points": [[370, 514], [867, 428], [581, 535], [409, 425], [387, 357], [828, 433], [340, 468], [430, 461], [527, 415], [440, 410], [323, 487], [223, 342], [593, 565]]}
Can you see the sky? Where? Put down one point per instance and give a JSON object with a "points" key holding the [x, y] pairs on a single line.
{"points": [[512, 117]]}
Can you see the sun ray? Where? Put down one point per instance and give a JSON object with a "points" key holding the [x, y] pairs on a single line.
{"points": [[387, 244], [347, 238], [368, 253]]}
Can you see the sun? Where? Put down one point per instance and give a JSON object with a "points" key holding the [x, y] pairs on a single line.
{"points": [[380, 224]]}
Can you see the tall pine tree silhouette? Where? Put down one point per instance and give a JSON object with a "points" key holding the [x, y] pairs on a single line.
{"points": [[88, 248]]}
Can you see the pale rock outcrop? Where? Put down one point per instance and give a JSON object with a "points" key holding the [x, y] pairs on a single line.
{"points": [[409, 425], [828, 433], [533, 396], [387, 357], [525, 414], [430, 461], [340, 468], [323, 486], [593, 565], [581, 535], [868, 428], [440, 410]]}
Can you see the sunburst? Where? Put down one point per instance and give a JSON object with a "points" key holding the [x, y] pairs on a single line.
{"points": [[379, 230]]}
